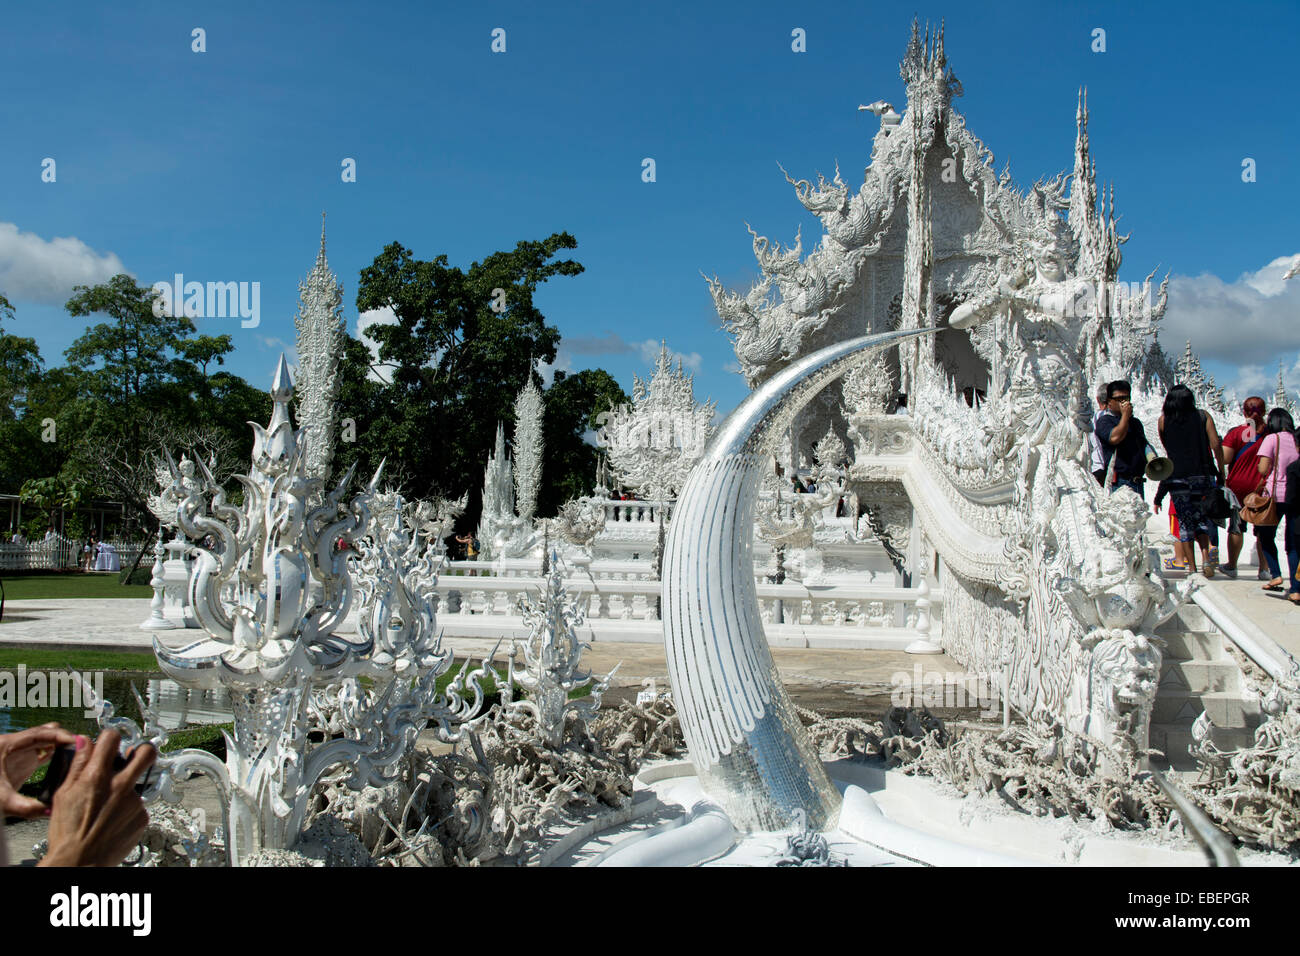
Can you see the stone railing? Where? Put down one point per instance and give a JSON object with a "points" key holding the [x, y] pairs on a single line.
{"points": [[603, 570], [637, 512], [868, 616], [57, 554]]}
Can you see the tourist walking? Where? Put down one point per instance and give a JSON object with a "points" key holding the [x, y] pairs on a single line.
{"points": [[1192, 443], [1094, 443], [470, 541], [1277, 451], [1240, 451], [1123, 439]]}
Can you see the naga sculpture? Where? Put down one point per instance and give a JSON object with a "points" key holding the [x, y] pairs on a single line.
{"points": [[745, 738]]}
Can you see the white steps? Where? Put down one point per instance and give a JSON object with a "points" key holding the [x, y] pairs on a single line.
{"points": [[1197, 674]]}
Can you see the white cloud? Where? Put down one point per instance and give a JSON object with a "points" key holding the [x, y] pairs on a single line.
{"points": [[611, 343], [1247, 325], [365, 320], [1250, 321], [649, 350], [563, 363], [33, 269]]}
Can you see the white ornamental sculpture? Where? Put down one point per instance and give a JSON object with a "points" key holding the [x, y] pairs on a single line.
{"points": [[501, 532], [550, 674], [321, 337], [653, 443], [434, 517], [270, 587], [529, 446]]}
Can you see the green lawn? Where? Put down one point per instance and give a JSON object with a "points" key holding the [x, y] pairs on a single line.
{"points": [[71, 585], [75, 658]]}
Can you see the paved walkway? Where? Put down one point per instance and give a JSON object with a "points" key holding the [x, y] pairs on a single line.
{"points": [[108, 625], [1271, 611]]}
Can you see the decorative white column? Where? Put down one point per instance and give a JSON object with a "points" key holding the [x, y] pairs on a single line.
{"points": [[923, 644], [156, 620]]}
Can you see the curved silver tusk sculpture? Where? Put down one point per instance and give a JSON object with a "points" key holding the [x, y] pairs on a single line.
{"points": [[745, 739]]}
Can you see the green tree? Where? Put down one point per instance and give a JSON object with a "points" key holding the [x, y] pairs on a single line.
{"points": [[53, 495], [144, 383], [20, 365], [361, 407], [130, 359], [463, 343], [20, 373], [574, 404]]}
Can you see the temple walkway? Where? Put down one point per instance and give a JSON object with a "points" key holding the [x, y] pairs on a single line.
{"points": [[838, 679], [1270, 611]]}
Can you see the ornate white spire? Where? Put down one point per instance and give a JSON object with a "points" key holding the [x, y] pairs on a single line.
{"points": [[528, 448], [498, 497], [321, 334], [653, 444]]}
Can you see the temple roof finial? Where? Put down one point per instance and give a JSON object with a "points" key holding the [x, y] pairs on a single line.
{"points": [[282, 384]]}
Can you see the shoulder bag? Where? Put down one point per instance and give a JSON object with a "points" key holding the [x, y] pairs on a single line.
{"points": [[1260, 507]]}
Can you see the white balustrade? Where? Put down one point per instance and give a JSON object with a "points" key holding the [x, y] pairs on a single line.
{"points": [[58, 554], [869, 615]]}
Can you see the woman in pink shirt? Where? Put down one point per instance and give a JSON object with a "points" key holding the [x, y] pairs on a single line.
{"points": [[1278, 449]]}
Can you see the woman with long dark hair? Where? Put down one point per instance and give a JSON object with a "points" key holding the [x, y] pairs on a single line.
{"points": [[1278, 449], [1192, 443]]}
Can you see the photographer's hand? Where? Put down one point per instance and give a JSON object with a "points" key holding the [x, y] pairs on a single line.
{"points": [[97, 817], [20, 755]]}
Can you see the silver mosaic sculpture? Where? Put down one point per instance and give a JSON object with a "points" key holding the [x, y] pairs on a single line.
{"points": [[321, 337], [529, 448], [552, 653], [653, 443], [270, 587], [745, 739]]}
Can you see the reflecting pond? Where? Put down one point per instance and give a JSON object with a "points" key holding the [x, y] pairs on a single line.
{"points": [[177, 706]]}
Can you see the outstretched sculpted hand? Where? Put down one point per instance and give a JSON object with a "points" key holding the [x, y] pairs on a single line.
{"points": [[96, 816], [20, 755]]}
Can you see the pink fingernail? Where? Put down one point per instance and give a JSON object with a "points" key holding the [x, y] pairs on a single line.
{"points": [[81, 742], [47, 811]]}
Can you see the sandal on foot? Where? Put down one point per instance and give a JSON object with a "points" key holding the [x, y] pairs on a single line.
{"points": [[1294, 598], [1274, 585]]}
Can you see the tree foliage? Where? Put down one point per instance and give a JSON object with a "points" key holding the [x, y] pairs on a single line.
{"points": [[574, 404], [462, 344], [135, 383]]}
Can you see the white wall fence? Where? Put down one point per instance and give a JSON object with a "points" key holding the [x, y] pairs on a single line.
{"points": [[472, 603], [637, 512], [58, 554]]}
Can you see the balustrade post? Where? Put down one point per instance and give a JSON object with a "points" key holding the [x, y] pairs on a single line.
{"points": [[156, 620], [923, 644]]}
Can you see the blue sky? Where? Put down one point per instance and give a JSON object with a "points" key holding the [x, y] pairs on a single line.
{"points": [[218, 164]]}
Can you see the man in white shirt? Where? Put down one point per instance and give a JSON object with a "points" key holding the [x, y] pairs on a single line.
{"points": [[1094, 443]]}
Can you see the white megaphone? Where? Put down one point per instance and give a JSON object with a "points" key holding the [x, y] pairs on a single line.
{"points": [[1158, 468]]}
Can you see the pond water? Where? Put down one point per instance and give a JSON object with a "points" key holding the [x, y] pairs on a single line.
{"points": [[177, 706]]}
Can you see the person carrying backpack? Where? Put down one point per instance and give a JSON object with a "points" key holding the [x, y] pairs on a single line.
{"points": [[1240, 449], [1192, 444]]}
